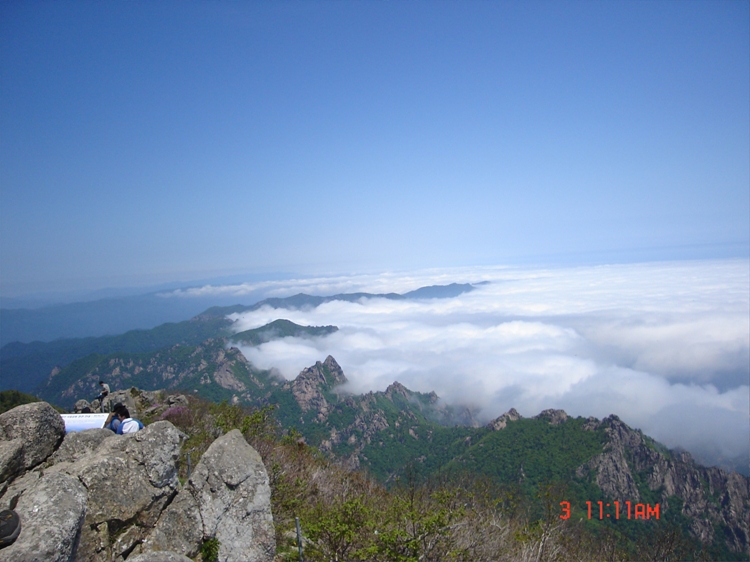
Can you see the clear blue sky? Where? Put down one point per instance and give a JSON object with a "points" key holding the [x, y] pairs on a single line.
{"points": [[146, 142]]}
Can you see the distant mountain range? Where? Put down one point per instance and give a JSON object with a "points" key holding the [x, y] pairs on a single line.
{"points": [[302, 301], [95, 318], [23, 366], [118, 314]]}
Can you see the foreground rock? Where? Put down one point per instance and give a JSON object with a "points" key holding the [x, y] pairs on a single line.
{"points": [[129, 479], [28, 435], [102, 497], [159, 557], [228, 498], [52, 510]]}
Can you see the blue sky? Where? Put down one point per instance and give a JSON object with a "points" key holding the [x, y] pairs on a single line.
{"points": [[151, 142]]}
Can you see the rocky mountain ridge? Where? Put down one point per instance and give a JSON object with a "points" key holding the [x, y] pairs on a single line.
{"points": [[626, 465], [384, 432]]}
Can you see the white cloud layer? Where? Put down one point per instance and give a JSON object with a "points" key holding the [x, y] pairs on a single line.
{"points": [[663, 346]]}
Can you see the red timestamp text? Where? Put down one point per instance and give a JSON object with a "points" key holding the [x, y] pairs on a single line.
{"points": [[615, 510]]}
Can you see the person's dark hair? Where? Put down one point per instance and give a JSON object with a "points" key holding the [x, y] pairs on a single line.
{"points": [[101, 382], [117, 407], [123, 412]]}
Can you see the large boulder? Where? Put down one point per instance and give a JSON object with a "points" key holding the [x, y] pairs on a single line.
{"points": [[180, 528], [79, 445], [30, 433], [228, 498], [81, 405], [11, 459], [126, 397], [129, 479], [51, 512]]}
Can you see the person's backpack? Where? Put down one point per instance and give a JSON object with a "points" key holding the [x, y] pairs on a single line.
{"points": [[122, 424]]}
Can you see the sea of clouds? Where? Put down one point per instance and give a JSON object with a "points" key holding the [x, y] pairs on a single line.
{"points": [[665, 346]]}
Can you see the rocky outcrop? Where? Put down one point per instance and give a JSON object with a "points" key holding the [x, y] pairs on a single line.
{"points": [[309, 385], [52, 510], [79, 445], [225, 378], [554, 417], [211, 363], [140, 403], [28, 435], [501, 422], [396, 389], [227, 498], [129, 480], [11, 459], [710, 498], [102, 497]]}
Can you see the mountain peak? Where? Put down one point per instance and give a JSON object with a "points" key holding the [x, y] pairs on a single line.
{"points": [[396, 388], [502, 421], [310, 385], [280, 328], [555, 417]]}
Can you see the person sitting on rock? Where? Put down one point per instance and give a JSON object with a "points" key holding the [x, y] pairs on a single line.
{"points": [[127, 424], [103, 394], [113, 422]]}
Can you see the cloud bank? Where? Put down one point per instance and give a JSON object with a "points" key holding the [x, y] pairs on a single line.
{"points": [[663, 346]]}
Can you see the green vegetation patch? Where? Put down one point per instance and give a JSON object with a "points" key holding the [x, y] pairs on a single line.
{"points": [[531, 452], [9, 399], [281, 329]]}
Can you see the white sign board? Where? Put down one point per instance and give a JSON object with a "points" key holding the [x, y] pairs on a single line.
{"points": [[79, 422]]}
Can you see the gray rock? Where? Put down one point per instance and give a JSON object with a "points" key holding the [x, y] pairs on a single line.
{"points": [[307, 387], [613, 474], [81, 405], [159, 557], [79, 444], [18, 487], [180, 528], [177, 400], [123, 397], [555, 417], [11, 459], [130, 479], [229, 498], [502, 422], [51, 513], [40, 428], [231, 485]]}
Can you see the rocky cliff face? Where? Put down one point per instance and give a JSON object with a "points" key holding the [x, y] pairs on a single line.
{"points": [[311, 383], [632, 465], [344, 424], [95, 496]]}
